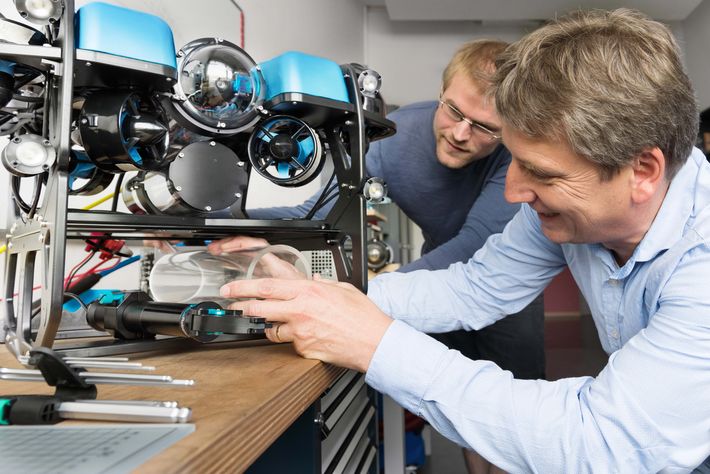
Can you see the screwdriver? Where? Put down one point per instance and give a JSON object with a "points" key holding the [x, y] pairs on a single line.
{"points": [[48, 409]]}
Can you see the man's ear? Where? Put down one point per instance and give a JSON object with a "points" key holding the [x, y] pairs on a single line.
{"points": [[649, 175]]}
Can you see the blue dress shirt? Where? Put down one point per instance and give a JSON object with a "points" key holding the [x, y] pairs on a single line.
{"points": [[649, 408]]}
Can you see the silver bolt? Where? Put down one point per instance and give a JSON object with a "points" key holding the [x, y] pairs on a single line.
{"points": [[208, 208], [237, 195], [181, 155], [88, 63], [348, 122], [213, 143], [178, 188], [240, 164]]}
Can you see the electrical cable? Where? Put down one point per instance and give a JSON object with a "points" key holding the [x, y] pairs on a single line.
{"points": [[120, 265], [98, 202], [241, 23], [94, 269], [325, 200], [328, 200], [78, 300], [38, 191], [15, 185], [326, 190], [76, 269], [117, 192]]}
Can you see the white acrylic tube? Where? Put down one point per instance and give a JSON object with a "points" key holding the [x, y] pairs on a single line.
{"points": [[196, 275]]}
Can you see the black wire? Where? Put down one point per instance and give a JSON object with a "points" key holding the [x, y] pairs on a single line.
{"points": [[35, 200], [76, 270], [328, 200], [24, 207], [35, 312], [117, 192], [324, 200], [81, 303], [26, 79], [315, 207]]}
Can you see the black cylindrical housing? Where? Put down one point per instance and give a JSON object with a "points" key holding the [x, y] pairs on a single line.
{"points": [[137, 317]]}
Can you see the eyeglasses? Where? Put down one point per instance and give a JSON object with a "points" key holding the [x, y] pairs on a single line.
{"points": [[455, 114]]}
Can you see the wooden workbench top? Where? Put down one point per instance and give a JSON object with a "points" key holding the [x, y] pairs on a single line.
{"points": [[244, 397]]}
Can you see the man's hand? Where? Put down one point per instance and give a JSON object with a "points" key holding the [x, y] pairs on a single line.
{"points": [[235, 244], [330, 321], [271, 264], [165, 246]]}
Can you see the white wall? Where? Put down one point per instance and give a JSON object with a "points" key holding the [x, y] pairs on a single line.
{"points": [[411, 56], [697, 40]]}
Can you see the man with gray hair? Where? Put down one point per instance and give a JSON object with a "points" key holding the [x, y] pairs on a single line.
{"points": [[600, 120]]}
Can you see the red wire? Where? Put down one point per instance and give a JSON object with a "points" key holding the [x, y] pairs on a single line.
{"points": [[241, 21], [76, 267], [15, 294], [94, 269]]}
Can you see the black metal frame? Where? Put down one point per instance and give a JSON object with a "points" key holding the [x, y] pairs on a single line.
{"points": [[42, 240]]}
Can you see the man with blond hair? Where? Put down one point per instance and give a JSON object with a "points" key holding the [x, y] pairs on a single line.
{"points": [[445, 168]]}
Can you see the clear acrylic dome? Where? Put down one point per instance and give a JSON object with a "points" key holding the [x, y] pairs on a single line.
{"points": [[218, 86]]}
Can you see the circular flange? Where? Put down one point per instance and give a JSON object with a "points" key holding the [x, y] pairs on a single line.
{"points": [[207, 176]]}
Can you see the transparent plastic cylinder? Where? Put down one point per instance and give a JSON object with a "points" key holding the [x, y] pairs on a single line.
{"points": [[196, 275]]}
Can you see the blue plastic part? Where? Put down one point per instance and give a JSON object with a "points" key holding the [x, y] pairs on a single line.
{"points": [[295, 72], [132, 151], [123, 32], [89, 296], [7, 67], [83, 169]]}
